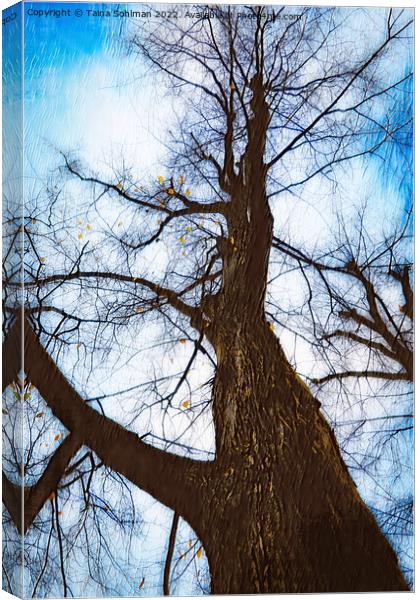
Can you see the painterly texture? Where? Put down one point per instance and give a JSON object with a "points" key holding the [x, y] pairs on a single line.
{"points": [[208, 339]]}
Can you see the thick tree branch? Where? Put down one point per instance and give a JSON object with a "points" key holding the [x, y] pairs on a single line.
{"points": [[36, 495], [170, 479]]}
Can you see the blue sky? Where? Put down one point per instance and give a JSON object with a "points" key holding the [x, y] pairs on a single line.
{"points": [[83, 92]]}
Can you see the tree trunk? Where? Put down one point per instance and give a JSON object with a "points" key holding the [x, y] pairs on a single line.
{"points": [[282, 512], [277, 511]]}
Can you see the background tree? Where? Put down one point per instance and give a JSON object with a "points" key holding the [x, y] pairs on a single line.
{"points": [[274, 103]]}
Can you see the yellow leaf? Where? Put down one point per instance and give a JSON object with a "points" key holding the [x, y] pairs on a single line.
{"points": [[33, 221], [232, 240], [199, 552], [78, 345], [182, 341], [27, 396], [120, 185], [189, 228], [184, 254], [57, 437], [180, 180], [171, 191], [42, 259], [159, 221], [139, 309], [51, 496], [185, 404], [189, 543], [141, 583], [39, 414], [88, 227], [80, 236], [120, 223], [272, 327], [183, 239], [160, 179], [16, 395], [188, 192]]}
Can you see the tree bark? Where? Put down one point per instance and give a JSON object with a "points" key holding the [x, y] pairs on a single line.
{"points": [[283, 514]]}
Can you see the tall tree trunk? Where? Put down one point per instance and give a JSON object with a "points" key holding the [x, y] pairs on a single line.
{"points": [[282, 512]]}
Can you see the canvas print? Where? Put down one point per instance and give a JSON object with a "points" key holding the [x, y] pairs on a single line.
{"points": [[208, 299]]}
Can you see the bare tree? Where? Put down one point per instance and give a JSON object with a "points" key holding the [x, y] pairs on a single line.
{"points": [[276, 510]]}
